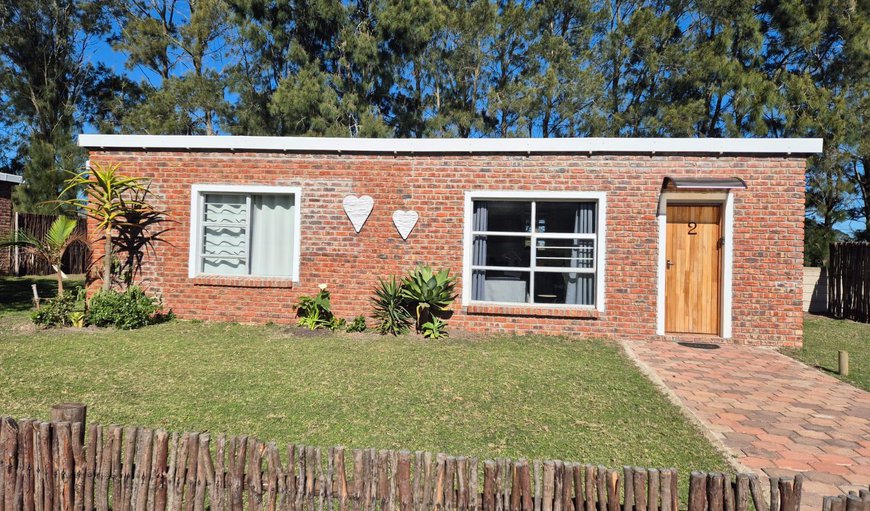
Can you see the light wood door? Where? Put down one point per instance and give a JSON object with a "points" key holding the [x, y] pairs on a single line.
{"points": [[693, 269]]}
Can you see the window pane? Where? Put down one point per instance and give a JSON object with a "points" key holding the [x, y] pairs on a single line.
{"points": [[506, 216], [565, 288], [513, 251], [500, 286], [225, 209], [565, 217], [224, 266], [272, 235], [565, 253]]}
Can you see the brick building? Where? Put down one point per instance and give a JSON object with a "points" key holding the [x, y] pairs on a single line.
{"points": [[7, 218], [631, 238]]}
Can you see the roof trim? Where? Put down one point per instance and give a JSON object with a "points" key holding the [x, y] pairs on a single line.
{"points": [[11, 178], [720, 146]]}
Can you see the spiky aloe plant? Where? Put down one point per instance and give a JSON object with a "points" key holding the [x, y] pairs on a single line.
{"points": [[389, 308], [431, 292]]}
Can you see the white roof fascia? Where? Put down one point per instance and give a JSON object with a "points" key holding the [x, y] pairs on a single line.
{"points": [[720, 146], [11, 178]]}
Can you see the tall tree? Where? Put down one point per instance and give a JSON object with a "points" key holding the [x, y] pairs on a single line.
{"points": [[817, 54], [285, 48], [45, 77], [561, 87], [177, 46]]}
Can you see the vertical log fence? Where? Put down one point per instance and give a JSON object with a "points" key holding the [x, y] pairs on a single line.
{"points": [[75, 260], [849, 281], [61, 466], [854, 501]]}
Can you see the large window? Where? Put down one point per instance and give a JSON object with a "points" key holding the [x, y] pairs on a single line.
{"points": [[535, 250], [244, 231]]}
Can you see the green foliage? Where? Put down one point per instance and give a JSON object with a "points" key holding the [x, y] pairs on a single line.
{"points": [[109, 198], [389, 306], [435, 328], [46, 81], [428, 292], [357, 325], [314, 311], [126, 310], [424, 68], [337, 324], [55, 311], [77, 319], [53, 245], [817, 241]]}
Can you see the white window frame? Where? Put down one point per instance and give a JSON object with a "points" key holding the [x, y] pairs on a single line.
{"points": [[197, 195], [600, 236]]}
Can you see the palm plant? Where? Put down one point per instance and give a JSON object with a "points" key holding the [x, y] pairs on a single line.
{"points": [[431, 292], [52, 246], [107, 197]]}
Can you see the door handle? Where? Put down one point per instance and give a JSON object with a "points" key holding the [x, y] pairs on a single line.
{"points": [[669, 264]]}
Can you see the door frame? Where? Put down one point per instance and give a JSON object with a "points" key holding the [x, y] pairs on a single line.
{"points": [[726, 200]]}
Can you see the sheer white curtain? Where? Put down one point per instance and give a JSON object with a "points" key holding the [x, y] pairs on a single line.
{"points": [[272, 235]]}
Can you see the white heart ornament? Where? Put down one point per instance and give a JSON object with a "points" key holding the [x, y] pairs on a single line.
{"points": [[358, 209], [405, 222]]}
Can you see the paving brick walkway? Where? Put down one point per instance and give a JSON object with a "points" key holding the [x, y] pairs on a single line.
{"points": [[774, 414]]}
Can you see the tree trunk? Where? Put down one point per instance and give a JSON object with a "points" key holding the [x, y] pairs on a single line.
{"points": [[59, 281], [107, 261]]}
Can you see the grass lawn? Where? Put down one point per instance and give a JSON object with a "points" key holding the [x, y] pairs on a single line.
{"points": [[823, 337], [534, 397]]}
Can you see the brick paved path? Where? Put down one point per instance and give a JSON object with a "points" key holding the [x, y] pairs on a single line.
{"points": [[774, 414]]}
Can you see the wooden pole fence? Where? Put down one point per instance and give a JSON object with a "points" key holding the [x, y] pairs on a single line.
{"points": [[60, 466]]}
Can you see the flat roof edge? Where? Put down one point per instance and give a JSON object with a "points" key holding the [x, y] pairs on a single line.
{"points": [[787, 146], [11, 178]]}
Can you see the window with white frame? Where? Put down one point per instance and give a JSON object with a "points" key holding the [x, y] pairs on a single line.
{"points": [[534, 251], [244, 231]]}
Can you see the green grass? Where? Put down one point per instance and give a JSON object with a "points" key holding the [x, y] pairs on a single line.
{"points": [[823, 337], [534, 397]]}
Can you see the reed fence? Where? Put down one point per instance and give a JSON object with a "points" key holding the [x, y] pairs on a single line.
{"points": [[849, 281], [60, 466], [75, 260]]}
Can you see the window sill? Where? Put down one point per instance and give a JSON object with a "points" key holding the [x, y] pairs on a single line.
{"points": [[261, 282], [532, 310]]}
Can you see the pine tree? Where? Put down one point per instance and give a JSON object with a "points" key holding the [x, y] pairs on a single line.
{"points": [[176, 43], [44, 81]]}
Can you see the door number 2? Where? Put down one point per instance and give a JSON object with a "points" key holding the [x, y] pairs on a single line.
{"points": [[693, 226]]}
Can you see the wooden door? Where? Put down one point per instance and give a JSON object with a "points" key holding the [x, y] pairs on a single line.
{"points": [[693, 269]]}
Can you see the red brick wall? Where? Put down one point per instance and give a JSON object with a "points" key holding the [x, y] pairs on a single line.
{"points": [[768, 237], [5, 225]]}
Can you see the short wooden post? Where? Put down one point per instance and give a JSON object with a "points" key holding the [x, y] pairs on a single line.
{"points": [[72, 413], [843, 362]]}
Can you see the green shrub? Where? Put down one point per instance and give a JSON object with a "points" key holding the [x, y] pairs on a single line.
{"points": [[126, 310], [336, 323], [315, 312], [436, 328], [357, 325], [390, 309], [428, 293], [55, 311]]}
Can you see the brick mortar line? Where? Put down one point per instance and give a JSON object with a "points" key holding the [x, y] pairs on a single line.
{"points": [[696, 421]]}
